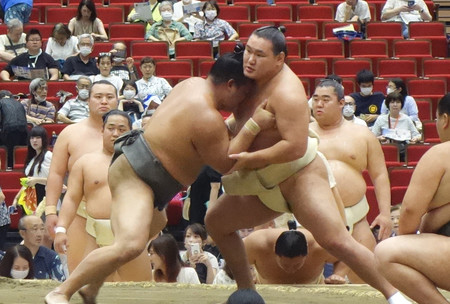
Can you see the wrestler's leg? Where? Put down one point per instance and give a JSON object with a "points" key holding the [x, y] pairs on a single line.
{"points": [[131, 214], [224, 218], [313, 205], [77, 235], [416, 264]]}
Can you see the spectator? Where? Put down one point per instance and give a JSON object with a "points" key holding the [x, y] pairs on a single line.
{"points": [[149, 84], [76, 109], [140, 123], [353, 11], [166, 262], [104, 64], [368, 103], [156, 16], [17, 263], [13, 43], [81, 64], [213, 28], [167, 29], [125, 71], [33, 63], [17, 9], [189, 18], [128, 102], [204, 263], [13, 123], [86, 21], [5, 220], [46, 262], [348, 111], [395, 216], [409, 103], [405, 12], [37, 108], [61, 44]]}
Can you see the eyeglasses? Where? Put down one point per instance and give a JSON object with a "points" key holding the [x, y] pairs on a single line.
{"points": [[104, 54], [35, 230]]}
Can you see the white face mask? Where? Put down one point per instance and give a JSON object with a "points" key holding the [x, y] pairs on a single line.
{"points": [[167, 16], [39, 98], [129, 94], [366, 91], [389, 91], [211, 14], [19, 274], [83, 94], [348, 111], [85, 50]]}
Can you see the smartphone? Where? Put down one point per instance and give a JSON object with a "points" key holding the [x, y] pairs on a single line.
{"points": [[411, 3], [12, 210], [195, 249]]}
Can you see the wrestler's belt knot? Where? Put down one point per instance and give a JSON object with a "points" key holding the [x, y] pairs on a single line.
{"points": [[129, 138]]}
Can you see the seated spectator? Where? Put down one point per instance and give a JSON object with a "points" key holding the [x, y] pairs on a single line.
{"points": [[189, 18], [81, 64], [16, 9], [402, 11], [76, 109], [32, 64], [61, 44], [395, 217], [368, 103], [353, 11], [149, 84], [409, 103], [86, 21], [140, 123], [104, 65], [125, 71], [167, 29], [46, 262], [5, 220], [213, 28], [396, 127], [13, 43], [166, 262], [156, 16], [205, 263], [37, 108], [348, 111], [17, 263], [13, 125], [128, 101]]}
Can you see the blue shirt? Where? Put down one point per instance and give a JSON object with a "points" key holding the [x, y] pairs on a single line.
{"points": [[47, 265]]}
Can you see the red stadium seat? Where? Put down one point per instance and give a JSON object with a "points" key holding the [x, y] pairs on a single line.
{"points": [[435, 32], [433, 88], [101, 47], [20, 153], [418, 49], [349, 67], [175, 70], [302, 32], [391, 155], [53, 127], [11, 179], [111, 14], [424, 107], [59, 14], [329, 26], [415, 152], [194, 50], [399, 178], [3, 158], [437, 67], [329, 49], [311, 69], [205, 66], [372, 49], [154, 49], [318, 13], [385, 30], [430, 134], [397, 67], [245, 29], [126, 33], [235, 13], [45, 29], [274, 13]]}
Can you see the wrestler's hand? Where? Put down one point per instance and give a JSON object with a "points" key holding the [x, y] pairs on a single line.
{"points": [[50, 223], [264, 118], [244, 160], [61, 243], [385, 224], [335, 279]]}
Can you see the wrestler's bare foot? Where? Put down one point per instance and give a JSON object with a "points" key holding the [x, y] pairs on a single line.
{"points": [[55, 297], [87, 296]]}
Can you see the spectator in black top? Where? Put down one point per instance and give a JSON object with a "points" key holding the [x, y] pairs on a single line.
{"points": [[83, 63]]}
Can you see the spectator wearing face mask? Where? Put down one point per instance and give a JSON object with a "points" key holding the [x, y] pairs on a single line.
{"points": [[128, 101], [368, 103], [127, 70], [348, 111], [17, 263], [83, 63], [76, 109]]}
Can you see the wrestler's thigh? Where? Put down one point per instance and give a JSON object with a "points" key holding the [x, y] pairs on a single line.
{"points": [[159, 221], [363, 235], [427, 253], [77, 238], [91, 245], [312, 202], [232, 213], [132, 204]]}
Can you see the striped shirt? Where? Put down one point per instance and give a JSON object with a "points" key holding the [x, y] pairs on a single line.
{"points": [[75, 109], [40, 110]]}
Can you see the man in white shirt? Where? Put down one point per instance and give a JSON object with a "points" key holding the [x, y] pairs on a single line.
{"points": [[13, 42], [353, 10]]}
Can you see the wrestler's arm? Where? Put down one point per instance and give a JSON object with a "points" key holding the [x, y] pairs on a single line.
{"points": [[58, 169], [433, 220], [292, 121], [70, 204], [380, 179], [421, 190], [251, 244]]}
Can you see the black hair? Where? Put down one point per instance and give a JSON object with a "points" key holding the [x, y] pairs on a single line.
{"points": [[364, 76], [245, 296], [392, 97], [91, 6], [165, 246], [11, 254], [102, 82], [119, 113], [399, 83], [230, 66], [128, 82], [37, 131], [291, 244], [275, 35], [104, 55], [33, 31], [444, 105], [334, 77], [198, 229], [338, 88], [147, 60], [213, 3]]}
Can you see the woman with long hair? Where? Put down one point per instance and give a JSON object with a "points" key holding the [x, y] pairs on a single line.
{"points": [[17, 263], [86, 21], [166, 262]]}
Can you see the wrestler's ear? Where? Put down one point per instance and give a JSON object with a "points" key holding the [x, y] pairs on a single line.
{"points": [[445, 121], [231, 83], [281, 57]]}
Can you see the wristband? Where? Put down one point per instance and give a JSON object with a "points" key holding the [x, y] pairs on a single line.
{"points": [[50, 210], [252, 126], [60, 230]]}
